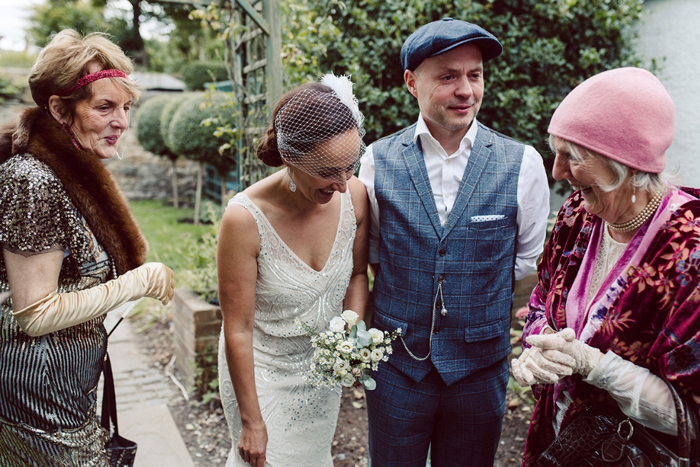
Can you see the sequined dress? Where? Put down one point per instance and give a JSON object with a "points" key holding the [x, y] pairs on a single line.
{"points": [[48, 384], [300, 417]]}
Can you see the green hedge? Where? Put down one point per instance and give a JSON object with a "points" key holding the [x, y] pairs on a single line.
{"points": [[550, 46], [148, 128], [195, 74], [166, 117], [189, 137]]}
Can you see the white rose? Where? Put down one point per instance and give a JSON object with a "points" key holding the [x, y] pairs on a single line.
{"points": [[345, 347], [377, 355], [377, 335], [341, 365], [350, 317], [365, 355], [348, 380], [337, 324]]}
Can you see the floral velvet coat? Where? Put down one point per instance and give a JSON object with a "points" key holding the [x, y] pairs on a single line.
{"points": [[649, 304]]}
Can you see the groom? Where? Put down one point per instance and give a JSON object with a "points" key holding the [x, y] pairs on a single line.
{"points": [[459, 212]]}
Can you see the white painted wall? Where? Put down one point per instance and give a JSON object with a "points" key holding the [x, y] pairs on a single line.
{"points": [[671, 29]]}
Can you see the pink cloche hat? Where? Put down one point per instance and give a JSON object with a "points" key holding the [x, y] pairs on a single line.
{"points": [[625, 114]]}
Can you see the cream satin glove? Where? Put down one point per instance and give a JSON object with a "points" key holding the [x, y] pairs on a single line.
{"points": [[585, 357], [532, 367], [58, 311]]}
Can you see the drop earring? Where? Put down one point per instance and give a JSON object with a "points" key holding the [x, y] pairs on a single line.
{"points": [[292, 185], [634, 186]]}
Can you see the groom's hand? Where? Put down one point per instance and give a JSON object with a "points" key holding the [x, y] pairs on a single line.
{"points": [[253, 443]]}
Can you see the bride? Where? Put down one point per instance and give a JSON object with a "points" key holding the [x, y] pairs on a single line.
{"points": [[292, 246]]}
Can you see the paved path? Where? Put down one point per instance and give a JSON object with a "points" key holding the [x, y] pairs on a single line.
{"points": [[143, 392]]}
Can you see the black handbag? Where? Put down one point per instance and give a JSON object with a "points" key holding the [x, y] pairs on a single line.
{"points": [[120, 451], [601, 437]]}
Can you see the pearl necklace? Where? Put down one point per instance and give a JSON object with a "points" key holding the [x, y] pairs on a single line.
{"points": [[640, 218]]}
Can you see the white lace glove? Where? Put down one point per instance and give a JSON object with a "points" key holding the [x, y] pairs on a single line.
{"points": [[59, 311], [641, 395], [584, 357], [532, 367]]}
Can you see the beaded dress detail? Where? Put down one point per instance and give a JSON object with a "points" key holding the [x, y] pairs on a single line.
{"points": [[48, 384], [300, 417]]}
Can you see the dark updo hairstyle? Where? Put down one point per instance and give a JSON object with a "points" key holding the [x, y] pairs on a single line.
{"points": [[309, 118]]}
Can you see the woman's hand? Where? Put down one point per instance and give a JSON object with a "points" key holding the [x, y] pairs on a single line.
{"points": [[532, 367], [554, 346], [156, 280], [253, 443]]}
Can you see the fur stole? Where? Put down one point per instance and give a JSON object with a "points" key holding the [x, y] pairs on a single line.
{"points": [[86, 180]]}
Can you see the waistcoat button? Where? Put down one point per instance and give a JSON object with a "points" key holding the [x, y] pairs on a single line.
{"points": [[442, 252]]}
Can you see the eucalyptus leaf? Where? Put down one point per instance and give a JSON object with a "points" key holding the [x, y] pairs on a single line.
{"points": [[364, 338], [369, 383]]}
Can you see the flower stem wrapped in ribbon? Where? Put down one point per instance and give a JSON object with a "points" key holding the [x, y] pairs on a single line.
{"points": [[347, 352]]}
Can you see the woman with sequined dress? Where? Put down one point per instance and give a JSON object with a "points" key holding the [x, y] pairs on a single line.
{"points": [[71, 252], [618, 298], [292, 247]]}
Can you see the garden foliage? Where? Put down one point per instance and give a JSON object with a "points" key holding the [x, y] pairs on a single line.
{"points": [[148, 127], [191, 130], [196, 74], [550, 46], [8, 88]]}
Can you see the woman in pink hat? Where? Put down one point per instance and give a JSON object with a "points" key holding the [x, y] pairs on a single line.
{"points": [[617, 303]]}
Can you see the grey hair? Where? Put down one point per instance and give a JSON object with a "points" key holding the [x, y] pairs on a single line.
{"points": [[645, 181]]}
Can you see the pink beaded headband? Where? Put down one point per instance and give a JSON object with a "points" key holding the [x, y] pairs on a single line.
{"points": [[87, 79]]}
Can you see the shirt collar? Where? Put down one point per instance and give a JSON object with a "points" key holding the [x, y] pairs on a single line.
{"points": [[423, 131]]}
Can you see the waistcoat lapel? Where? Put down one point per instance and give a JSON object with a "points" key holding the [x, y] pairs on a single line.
{"points": [[477, 162], [415, 163]]}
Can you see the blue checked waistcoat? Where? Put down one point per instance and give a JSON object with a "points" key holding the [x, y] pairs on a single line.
{"points": [[473, 255]]}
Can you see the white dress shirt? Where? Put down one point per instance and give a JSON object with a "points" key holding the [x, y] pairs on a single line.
{"points": [[445, 174]]}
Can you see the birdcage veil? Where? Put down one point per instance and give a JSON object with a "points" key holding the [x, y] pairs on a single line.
{"points": [[311, 129]]}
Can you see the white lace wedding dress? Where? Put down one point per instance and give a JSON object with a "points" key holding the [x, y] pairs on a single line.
{"points": [[300, 417]]}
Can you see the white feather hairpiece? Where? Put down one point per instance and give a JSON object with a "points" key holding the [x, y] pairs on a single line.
{"points": [[342, 87]]}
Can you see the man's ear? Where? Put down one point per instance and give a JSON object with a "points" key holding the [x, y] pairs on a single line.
{"points": [[56, 108], [410, 78]]}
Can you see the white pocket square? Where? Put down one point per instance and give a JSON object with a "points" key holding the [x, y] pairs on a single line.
{"points": [[489, 218]]}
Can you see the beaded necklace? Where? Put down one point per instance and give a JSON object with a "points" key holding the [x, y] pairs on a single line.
{"points": [[640, 218]]}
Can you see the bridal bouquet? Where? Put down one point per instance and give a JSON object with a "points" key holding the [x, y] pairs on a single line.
{"points": [[347, 357]]}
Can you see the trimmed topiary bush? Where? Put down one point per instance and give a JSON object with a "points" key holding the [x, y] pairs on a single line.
{"points": [[195, 74], [191, 134], [150, 137], [167, 115]]}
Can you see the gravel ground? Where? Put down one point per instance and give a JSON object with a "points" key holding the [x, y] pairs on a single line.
{"points": [[205, 433]]}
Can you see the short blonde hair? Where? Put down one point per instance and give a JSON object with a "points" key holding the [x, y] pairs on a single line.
{"points": [[70, 56]]}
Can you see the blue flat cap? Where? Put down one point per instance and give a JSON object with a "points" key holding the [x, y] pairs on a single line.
{"points": [[440, 36]]}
